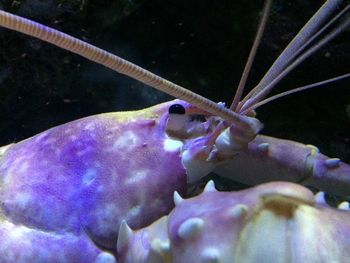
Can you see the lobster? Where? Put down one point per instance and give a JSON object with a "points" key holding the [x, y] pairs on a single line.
{"points": [[99, 204]]}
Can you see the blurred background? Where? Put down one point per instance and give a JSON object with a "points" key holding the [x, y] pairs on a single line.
{"points": [[201, 45]]}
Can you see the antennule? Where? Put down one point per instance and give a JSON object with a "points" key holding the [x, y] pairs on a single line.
{"points": [[262, 94], [288, 54], [293, 91], [251, 56]]}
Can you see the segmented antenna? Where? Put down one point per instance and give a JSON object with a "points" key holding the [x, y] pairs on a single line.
{"points": [[292, 56], [251, 56], [115, 63], [296, 90]]}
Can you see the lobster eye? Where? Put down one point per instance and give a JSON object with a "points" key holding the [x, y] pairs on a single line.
{"points": [[177, 109], [177, 119]]}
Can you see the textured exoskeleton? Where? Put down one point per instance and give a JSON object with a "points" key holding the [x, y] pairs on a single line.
{"points": [[275, 222], [269, 159], [65, 192], [71, 186]]}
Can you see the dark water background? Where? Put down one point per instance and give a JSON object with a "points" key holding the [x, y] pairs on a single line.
{"points": [[201, 45]]}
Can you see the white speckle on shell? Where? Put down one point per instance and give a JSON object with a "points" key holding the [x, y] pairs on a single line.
{"points": [[84, 151], [136, 177], [133, 212], [90, 126], [49, 141], [22, 199], [73, 137], [104, 215], [67, 131], [89, 176], [155, 204], [109, 209], [171, 145], [126, 141]]}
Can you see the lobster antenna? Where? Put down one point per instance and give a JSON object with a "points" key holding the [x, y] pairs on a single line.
{"points": [[301, 58], [251, 56], [287, 55], [322, 30], [293, 91], [115, 63]]}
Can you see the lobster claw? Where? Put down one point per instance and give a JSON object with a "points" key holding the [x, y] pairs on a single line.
{"points": [[236, 137]]}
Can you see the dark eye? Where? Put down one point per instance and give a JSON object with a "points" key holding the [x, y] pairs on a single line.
{"points": [[177, 109]]}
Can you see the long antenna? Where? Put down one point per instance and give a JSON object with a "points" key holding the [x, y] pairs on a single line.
{"points": [[115, 63], [251, 56], [295, 90], [289, 52], [263, 93]]}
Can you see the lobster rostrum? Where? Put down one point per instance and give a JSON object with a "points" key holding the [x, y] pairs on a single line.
{"points": [[65, 192]]}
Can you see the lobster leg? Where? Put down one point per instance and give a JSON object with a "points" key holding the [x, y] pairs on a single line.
{"points": [[284, 160]]}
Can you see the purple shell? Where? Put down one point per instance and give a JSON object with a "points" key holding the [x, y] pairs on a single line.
{"points": [[274, 222], [72, 185]]}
